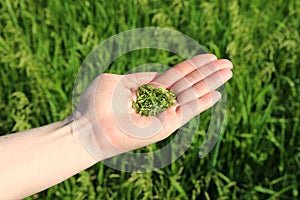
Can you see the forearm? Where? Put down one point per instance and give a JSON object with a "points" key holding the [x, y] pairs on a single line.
{"points": [[37, 159]]}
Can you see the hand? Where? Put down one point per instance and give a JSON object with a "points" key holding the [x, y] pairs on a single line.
{"points": [[111, 124]]}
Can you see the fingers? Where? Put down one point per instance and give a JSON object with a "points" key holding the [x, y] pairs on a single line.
{"points": [[196, 92], [193, 108], [177, 116], [199, 74], [205, 86], [182, 69]]}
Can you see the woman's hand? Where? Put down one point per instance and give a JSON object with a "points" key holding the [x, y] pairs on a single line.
{"points": [[108, 125], [105, 125]]}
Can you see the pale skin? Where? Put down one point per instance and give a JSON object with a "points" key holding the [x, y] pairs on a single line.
{"points": [[37, 159]]}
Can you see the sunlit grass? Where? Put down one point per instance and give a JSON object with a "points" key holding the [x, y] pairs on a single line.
{"points": [[42, 45]]}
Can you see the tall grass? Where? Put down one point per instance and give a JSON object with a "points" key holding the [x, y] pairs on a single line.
{"points": [[42, 44]]}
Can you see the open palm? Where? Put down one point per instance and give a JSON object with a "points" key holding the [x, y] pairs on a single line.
{"points": [[117, 128]]}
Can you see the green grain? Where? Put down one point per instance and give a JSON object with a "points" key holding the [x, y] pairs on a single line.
{"points": [[151, 101]]}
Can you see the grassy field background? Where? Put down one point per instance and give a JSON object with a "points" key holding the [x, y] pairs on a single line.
{"points": [[43, 43]]}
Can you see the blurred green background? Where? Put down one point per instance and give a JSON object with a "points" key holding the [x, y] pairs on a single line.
{"points": [[43, 43]]}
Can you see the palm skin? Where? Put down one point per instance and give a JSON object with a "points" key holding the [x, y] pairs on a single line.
{"points": [[117, 128]]}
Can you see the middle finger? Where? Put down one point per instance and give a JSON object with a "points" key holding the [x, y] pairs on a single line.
{"points": [[199, 74], [182, 69], [205, 86]]}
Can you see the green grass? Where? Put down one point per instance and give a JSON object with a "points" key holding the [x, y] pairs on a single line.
{"points": [[43, 43]]}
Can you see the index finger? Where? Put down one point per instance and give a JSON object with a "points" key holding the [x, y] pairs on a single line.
{"points": [[182, 69]]}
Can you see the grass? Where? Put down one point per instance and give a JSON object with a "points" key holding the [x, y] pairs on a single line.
{"points": [[43, 43]]}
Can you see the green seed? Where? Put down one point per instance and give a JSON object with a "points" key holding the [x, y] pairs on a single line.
{"points": [[152, 101]]}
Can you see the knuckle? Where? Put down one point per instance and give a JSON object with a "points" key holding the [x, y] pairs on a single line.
{"points": [[200, 88]]}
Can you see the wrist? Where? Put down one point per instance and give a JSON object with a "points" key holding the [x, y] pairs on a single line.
{"points": [[85, 134], [78, 127]]}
